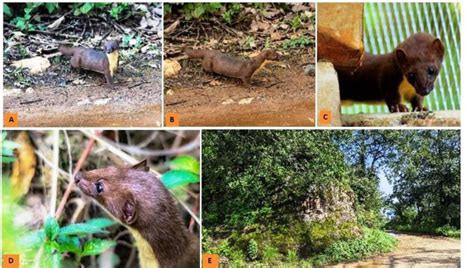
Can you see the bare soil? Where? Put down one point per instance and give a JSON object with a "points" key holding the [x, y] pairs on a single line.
{"points": [[416, 251], [281, 95], [132, 102]]}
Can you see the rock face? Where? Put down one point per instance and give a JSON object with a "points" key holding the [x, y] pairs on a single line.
{"points": [[329, 202]]}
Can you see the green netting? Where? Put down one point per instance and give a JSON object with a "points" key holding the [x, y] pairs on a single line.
{"points": [[388, 24]]}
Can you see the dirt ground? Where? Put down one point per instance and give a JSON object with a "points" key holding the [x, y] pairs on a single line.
{"points": [[281, 95], [416, 251], [134, 101]]}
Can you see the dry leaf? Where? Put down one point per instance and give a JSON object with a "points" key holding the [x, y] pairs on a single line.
{"points": [[23, 168], [172, 27], [171, 68], [36, 64]]}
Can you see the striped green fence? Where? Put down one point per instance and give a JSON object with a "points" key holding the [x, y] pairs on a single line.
{"points": [[388, 24]]}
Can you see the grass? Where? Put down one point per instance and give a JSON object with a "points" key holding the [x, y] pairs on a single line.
{"points": [[372, 242]]}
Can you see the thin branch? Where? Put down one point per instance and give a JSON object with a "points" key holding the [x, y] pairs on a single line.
{"points": [[85, 153], [55, 173]]}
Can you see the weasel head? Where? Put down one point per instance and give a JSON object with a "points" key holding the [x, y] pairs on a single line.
{"points": [[111, 46], [116, 189], [271, 55], [420, 58]]}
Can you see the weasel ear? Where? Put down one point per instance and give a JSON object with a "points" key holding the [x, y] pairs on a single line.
{"points": [[402, 56], [129, 212], [142, 165], [438, 48]]}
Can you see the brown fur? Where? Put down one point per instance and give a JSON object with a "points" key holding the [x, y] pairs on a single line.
{"points": [[139, 200], [93, 60], [408, 73], [220, 63]]}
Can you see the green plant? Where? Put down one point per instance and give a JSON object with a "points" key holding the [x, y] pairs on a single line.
{"points": [[7, 149], [85, 8], [229, 14], [199, 10], [292, 256], [117, 9], [299, 42], [270, 254], [183, 170], [56, 240], [371, 243], [252, 250]]}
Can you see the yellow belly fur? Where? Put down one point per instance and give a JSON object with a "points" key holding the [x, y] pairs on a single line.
{"points": [[145, 252], [113, 62], [407, 91]]}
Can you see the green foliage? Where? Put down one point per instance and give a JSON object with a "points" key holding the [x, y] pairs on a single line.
{"points": [[6, 10], [199, 10], [7, 149], [292, 256], [58, 240], [427, 184], [117, 10], [186, 163], [231, 12], [252, 250], [86, 8], [270, 254], [372, 242], [184, 170], [299, 42]]}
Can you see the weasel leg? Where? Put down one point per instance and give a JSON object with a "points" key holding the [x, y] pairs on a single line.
{"points": [[246, 81], [207, 64], [108, 77], [417, 104]]}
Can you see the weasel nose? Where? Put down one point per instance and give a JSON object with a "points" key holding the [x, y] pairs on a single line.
{"points": [[79, 176]]}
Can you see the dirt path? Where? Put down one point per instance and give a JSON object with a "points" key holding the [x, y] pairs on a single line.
{"points": [[280, 96], [134, 102], [416, 251]]}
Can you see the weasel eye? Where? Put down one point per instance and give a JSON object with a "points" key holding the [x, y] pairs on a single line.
{"points": [[99, 187], [431, 71], [411, 77]]}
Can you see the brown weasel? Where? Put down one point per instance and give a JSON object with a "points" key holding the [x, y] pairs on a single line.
{"points": [[218, 62], [406, 74], [89, 59], [139, 200]]}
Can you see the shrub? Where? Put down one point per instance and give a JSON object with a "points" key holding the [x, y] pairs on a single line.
{"points": [[372, 242], [252, 250]]}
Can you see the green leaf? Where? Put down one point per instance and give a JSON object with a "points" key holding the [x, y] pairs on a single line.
{"points": [[97, 246], [51, 7], [185, 162], [175, 178], [7, 159], [87, 7], [198, 11], [51, 228], [7, 11], [81, 229], [215, 5], [101, 222], [69, 244]]}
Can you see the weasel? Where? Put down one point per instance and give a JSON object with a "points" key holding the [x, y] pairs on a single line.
{"points": [[138, 200], [106, 62], [406, 74], [220, 63]]}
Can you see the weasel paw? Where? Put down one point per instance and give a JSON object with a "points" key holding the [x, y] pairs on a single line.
{"points": [[420, 109], [398, 108]]}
